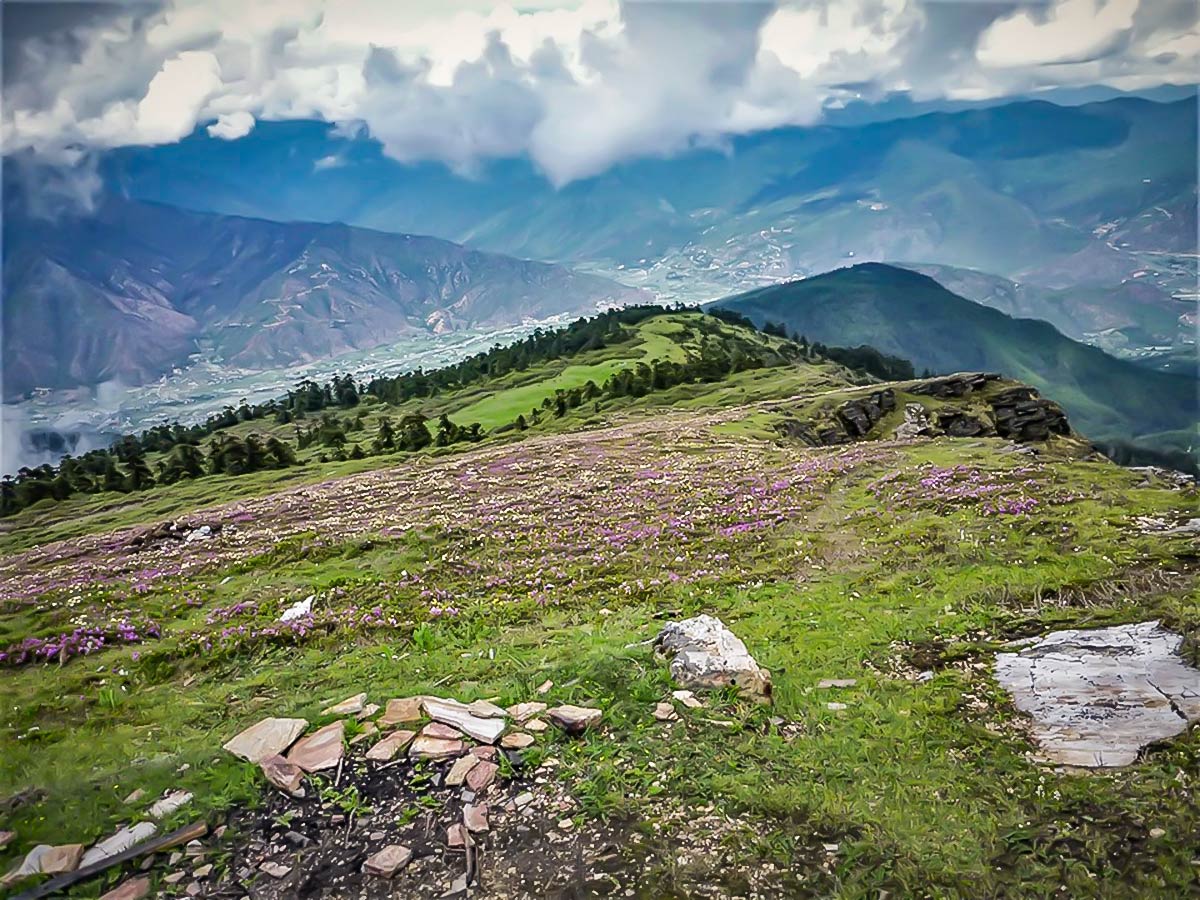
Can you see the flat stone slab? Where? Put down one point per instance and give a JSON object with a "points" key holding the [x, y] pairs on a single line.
{"points": [[483, 729], [523, 711], [320, 750], [388, 861], [348, 707], [286, 776], [269, 737], [386, 749], [133, 889], [119, 842], [574, 719], [425, 747], [1098, 696], [401, 711]]}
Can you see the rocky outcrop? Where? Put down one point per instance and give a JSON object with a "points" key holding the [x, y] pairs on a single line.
{"points": [[858, 417], [961, 423], [1024, 416], [987, 409], [916, 423], [949, 386]]}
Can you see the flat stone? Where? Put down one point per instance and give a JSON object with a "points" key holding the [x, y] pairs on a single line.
{"points": [[369, 730], [457, 836], [445, 732], [425, 747], [134, 797], [484, 752], [286, 776], [31, 864], [707, 655], [837, 683], [320, 750], [484, 730], [367, 711], [458, 772], [348, 707], [535, 725], [119, 842], [193, 889], [388, 861], [481, 775], [266, 738], [391, 745], [63, 858], [835, 706], [275, 870], [485, 709], [172, 802], [544, 687], [398, 712], [475, 817], [687, 698], [174, 877], [523, 711], [665, 712], [523, 800], [1097, 696], [574, 719], [516, 741], [133, 889], [202, 871]]}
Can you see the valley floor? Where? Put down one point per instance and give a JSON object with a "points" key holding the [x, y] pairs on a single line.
{"points": [[900, 567]]}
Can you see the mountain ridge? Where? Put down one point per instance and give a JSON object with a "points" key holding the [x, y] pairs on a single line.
{"points": [[911, 315], [128, 292]]}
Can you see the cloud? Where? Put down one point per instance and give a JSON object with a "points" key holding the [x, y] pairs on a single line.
{"points": [[1068, 31], [577, 86], [231, 126]]}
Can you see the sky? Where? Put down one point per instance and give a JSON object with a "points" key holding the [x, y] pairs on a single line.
{"points": [[575, 86]]}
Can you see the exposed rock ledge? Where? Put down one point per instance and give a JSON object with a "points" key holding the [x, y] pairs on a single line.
{"points": [[1097, 697], [988, 410]]}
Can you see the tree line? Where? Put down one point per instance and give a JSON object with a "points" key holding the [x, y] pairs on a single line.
{"points": [[307, 406]]}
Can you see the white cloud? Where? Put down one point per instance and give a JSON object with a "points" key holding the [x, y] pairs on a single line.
{"points": [[1068, 31], [577, 85], [231, 126]]}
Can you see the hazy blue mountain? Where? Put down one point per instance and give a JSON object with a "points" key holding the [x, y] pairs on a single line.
{"points": [[1136, 309], [1057, 195], [136, 288], [908, 314]]}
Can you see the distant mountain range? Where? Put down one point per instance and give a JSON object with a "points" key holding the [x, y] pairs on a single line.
{"points": [[136, 288], [908, 314], [1134, 311], [1051, 195]]}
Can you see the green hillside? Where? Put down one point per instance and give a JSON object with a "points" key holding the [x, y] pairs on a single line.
{"points": [[910, 315], [877, 579]]}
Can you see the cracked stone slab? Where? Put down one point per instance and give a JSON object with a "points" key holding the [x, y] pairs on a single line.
{"points": [[1098, 696]]}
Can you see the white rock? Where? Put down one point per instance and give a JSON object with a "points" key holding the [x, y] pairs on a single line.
{"points": [[119, 842], [1098, 696], [170, 803], [706, 654], [298, 609], [460, 717]]}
